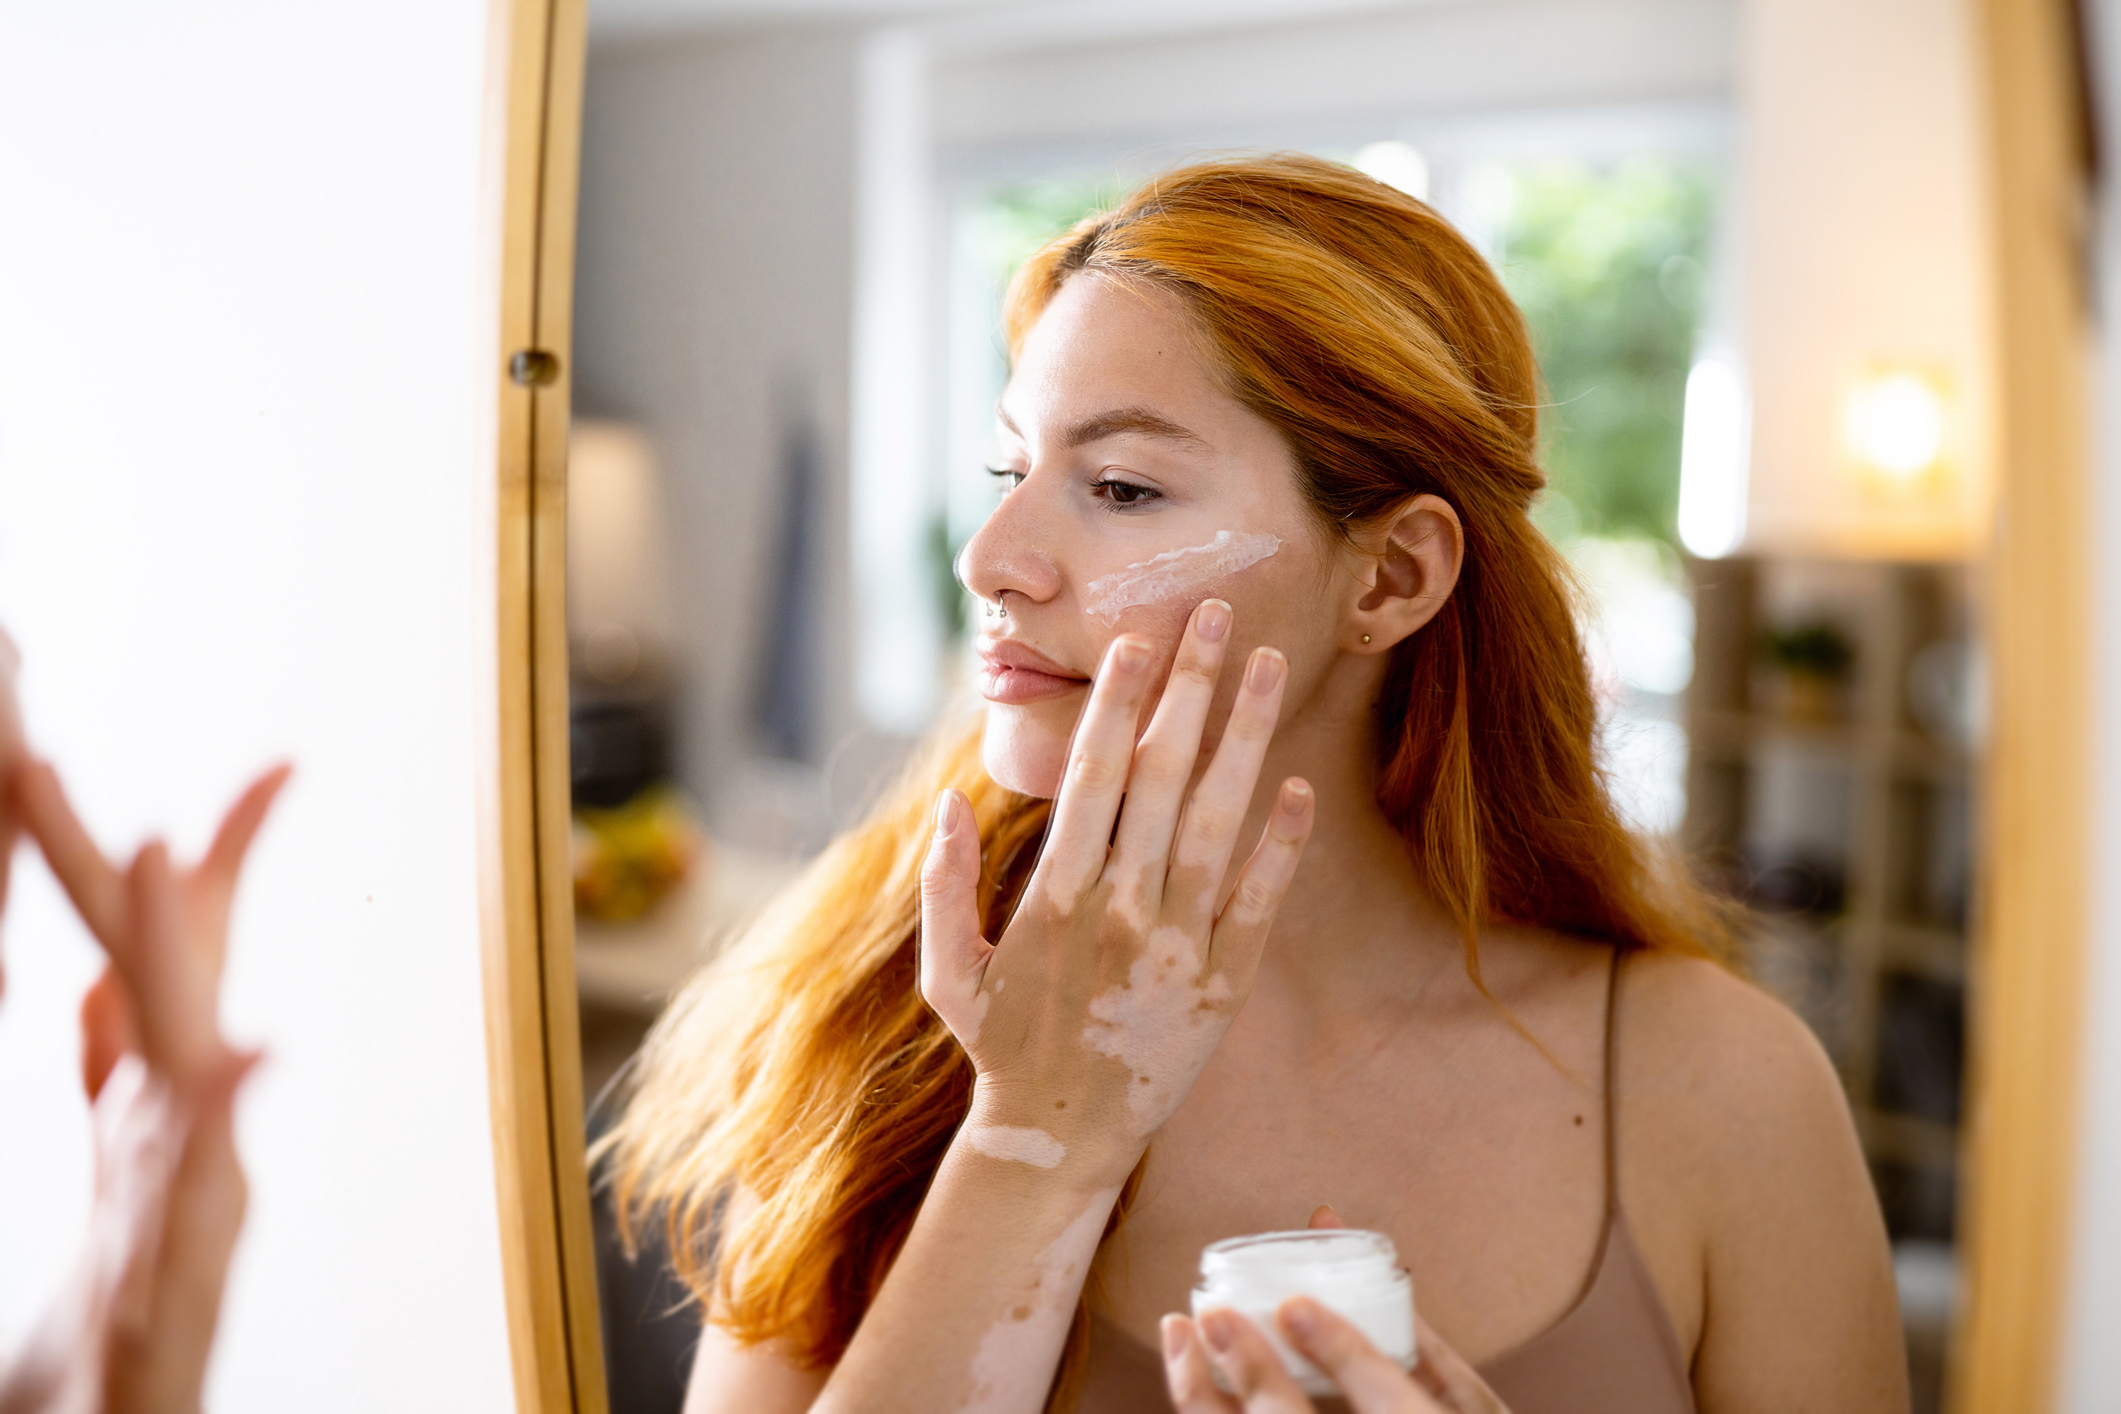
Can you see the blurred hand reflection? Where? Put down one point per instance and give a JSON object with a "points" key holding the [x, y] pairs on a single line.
{"points": [[134, 1327]]}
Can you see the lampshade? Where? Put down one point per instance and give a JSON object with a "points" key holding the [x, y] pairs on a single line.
{"points": [[615, 605]]}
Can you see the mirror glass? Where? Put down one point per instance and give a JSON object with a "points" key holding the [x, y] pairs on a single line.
{"points": [[1762, 428]]}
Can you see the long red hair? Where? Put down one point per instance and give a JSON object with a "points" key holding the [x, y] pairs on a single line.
{"points": [[803, 1067]]}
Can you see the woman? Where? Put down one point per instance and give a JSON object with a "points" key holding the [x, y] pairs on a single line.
{"points": [[1271, 414]]}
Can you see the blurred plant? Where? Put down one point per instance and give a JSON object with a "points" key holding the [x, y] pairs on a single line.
{"points": [[1812, 649], [629, 857], [1015, 220], [950, 596], [1607, 264]]}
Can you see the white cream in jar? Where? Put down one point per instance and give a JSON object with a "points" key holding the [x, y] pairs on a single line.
{"points": [[1355, 1273]]}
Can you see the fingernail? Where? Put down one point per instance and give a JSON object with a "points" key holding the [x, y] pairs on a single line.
{"points": [[1300, 1315], [1213, 621], [1295, 794], [945, 813], [1174, 1333], [1220, 1327], [1265, 670], [1131, 656]]}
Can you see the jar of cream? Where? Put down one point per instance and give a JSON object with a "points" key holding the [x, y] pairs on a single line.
{"points": [[1355, 1273]]}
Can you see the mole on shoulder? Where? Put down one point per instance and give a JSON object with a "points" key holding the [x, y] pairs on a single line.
{"points": [[1579, 1121]]}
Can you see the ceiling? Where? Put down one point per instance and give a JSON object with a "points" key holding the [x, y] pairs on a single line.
{"points": [[982, 24]]}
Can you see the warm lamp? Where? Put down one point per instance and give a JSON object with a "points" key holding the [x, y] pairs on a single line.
{"points": [[1897, 430], [614, 570]]}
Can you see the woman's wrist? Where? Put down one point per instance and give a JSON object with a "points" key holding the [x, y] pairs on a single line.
{"points": [[1042, 1140]]}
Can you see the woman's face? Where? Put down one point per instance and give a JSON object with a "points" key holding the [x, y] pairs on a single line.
{"points": [[1121, 445]]}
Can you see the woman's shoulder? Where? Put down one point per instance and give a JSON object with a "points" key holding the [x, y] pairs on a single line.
{"points": [[1718, 1050], [1722, 1082]]}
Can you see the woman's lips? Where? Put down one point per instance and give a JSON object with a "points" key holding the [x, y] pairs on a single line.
{"points": [[1013, 674]]}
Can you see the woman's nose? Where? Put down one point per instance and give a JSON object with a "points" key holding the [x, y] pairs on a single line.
{"points": [[1011, 553]]}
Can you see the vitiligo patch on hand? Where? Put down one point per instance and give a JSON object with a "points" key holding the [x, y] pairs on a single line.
{"points": [[1176, 573], [1017, 1144], [1006, 1368], [1152, 1024]]}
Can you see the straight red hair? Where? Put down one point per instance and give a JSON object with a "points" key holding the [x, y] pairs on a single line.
{"points": [[803, 1069]]}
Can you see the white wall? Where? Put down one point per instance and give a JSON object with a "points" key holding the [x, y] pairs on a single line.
{"points": [[242, 421], [714, 305], [1435, 58]]}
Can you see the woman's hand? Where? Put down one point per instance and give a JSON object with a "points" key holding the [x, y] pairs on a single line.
{"points": [[1370, 1381], [1090, 1018], [159, 995], [134, 1329]]}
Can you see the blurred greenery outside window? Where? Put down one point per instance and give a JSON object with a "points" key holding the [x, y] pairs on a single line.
{"points": [[1608, 265]]}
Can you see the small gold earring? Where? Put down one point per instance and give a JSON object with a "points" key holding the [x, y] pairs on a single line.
{"points": [[1366, 638]]}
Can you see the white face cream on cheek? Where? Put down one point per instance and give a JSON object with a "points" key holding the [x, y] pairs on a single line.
{"points": [[1176, 573], [1356, 1274]]}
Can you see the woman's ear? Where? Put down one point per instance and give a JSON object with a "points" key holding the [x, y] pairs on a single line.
{"points": [[1412, 566]]}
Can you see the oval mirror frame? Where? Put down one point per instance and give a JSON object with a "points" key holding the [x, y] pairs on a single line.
{"points": [[533, 1039], [2036, 854]]}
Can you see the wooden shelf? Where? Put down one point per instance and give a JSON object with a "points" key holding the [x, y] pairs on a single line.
{"points": [[1935, 953], [1896, 1138], [1892, 813], [1734, 735]]}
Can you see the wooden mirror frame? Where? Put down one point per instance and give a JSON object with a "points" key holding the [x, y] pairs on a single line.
{"points": [[536, 59], [2035, 844]]}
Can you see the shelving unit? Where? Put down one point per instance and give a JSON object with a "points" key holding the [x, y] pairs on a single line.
{"points": [[1849, 832]]}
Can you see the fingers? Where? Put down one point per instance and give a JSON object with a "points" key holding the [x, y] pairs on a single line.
{"points": [[1241, 929], [211, 889], [1208, 836], [1324, 1216], [1096, 775], [95, 886], [1251, 1366], [1372, 1381], [953, 955], [1187, 1374], [1444, 1373], [108, 1032], [13, 751], [1170, 749], [224, 857], [170, 984]]}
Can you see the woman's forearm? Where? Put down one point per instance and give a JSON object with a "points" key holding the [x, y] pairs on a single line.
{"points": [[978, 1304]]}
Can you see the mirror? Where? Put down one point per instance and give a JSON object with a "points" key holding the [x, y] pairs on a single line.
{"points": [[1776, 421]]}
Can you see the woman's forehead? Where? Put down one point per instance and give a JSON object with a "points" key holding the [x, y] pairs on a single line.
{"points": [[1116, 356]]}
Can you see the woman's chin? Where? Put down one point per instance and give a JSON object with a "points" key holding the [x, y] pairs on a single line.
{"points": [[1022, 755]]}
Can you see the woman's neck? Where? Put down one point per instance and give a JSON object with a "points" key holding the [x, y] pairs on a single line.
{"points": [[1356, 926]]}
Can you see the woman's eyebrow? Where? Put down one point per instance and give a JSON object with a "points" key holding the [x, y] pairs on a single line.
{"points": [[1119, 422]]}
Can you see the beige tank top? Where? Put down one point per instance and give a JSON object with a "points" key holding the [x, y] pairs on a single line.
{"points": [[1613, 1352]]}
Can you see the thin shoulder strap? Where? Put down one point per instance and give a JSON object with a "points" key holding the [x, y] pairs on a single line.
{"points": [[1612, 1127]]}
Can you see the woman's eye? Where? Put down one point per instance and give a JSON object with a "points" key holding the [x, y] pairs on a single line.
{"points": [[1008, 476], [1123, 493]]}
